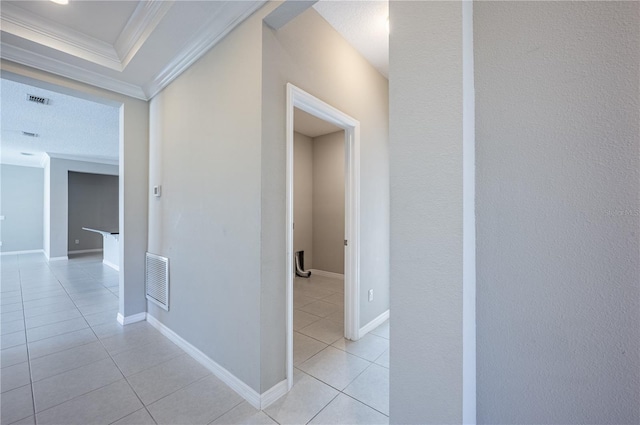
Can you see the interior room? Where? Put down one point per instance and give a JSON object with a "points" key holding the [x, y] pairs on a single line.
{"points": [[492, 253]]}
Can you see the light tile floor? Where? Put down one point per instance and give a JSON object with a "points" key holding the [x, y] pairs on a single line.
{"points": [[65, 359]]}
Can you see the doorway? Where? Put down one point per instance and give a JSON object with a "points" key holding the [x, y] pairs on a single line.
{"points": [[297, 98]]}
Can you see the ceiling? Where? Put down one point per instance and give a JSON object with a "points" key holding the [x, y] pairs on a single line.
{"points": [[364, 24], [134, 48], [310, 126], [68, 127], [130, 47]]}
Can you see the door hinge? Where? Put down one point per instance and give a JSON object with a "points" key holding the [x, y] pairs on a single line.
{"points": [[346, 243]]}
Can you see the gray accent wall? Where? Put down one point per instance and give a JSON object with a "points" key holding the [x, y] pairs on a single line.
{"points": [[22, 205], [56, 215], [558, 142], [309, 53], [303, 197], [328, 202], [93, 202]]}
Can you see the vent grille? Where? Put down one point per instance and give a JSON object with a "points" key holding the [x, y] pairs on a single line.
{"points": [[38, 99], [157, 280], [29, 134]]}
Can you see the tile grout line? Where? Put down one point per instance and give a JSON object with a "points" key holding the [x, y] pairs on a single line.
{"points": [[26, 345]]}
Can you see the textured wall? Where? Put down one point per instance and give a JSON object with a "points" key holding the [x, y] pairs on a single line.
{"points": [[557, 120], [426, 147], [22, 204]]}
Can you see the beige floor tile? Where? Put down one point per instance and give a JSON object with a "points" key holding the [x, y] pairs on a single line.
{"points": [[305, 347], [244, 414], [159, 381], [103, 406], [345, 410], [57, 389], [372, 388], [369, 347], [324, 330], [334, 367], [198, 403], [307, 397]]}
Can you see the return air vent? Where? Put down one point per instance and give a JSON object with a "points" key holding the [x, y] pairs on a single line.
{"points": [[38, 99], [156, 279], [29, 134]]}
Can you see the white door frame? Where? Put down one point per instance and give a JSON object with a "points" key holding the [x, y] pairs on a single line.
{"points": [[298, 98]]}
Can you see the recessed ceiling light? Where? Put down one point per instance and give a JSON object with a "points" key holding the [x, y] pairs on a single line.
{"points": [[26, 154], [61, 1]]}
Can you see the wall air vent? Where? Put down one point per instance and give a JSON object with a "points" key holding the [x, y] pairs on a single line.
{"points": [[29, 134], [38, 99], [156, 278]]}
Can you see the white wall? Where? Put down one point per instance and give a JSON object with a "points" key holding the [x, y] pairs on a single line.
{"points": [[22, 205], [93, 202], [310, 54], [328, 202], [558, 142], [303, 197], [133, 172], [426, 161]]}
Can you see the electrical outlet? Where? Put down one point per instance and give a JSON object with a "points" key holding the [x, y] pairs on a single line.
{"points": [[370, 295], [77, 241]]}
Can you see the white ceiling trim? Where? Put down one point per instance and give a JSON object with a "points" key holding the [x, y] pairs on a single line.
{"points": [[204, 40], [96, 159], [27, 25], [54, 66], [143, 21]]}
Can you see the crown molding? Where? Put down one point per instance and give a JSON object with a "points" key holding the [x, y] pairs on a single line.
{"points": [[54, 66], [206, 38], [141, 24], [29, 26], [94, 159]]}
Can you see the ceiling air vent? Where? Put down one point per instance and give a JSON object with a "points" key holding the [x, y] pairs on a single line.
{"points": [[29, 134], [38, 99]]}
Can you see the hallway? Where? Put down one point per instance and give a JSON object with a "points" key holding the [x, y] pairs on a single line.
{"points": [[65, 359]]}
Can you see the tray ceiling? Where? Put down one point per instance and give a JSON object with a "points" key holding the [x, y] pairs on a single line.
{"points": [[131, 47]]}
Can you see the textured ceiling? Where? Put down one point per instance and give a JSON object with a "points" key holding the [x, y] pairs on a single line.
{"points": [[67, 126], [364, 24]]}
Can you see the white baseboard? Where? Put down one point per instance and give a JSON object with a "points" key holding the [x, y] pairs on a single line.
{"points": [[131, 319], [327, 274], [259, 401], [373, 324], [273, 394], [110, 264], [62, 258], [30, 251], [85, 251]]}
